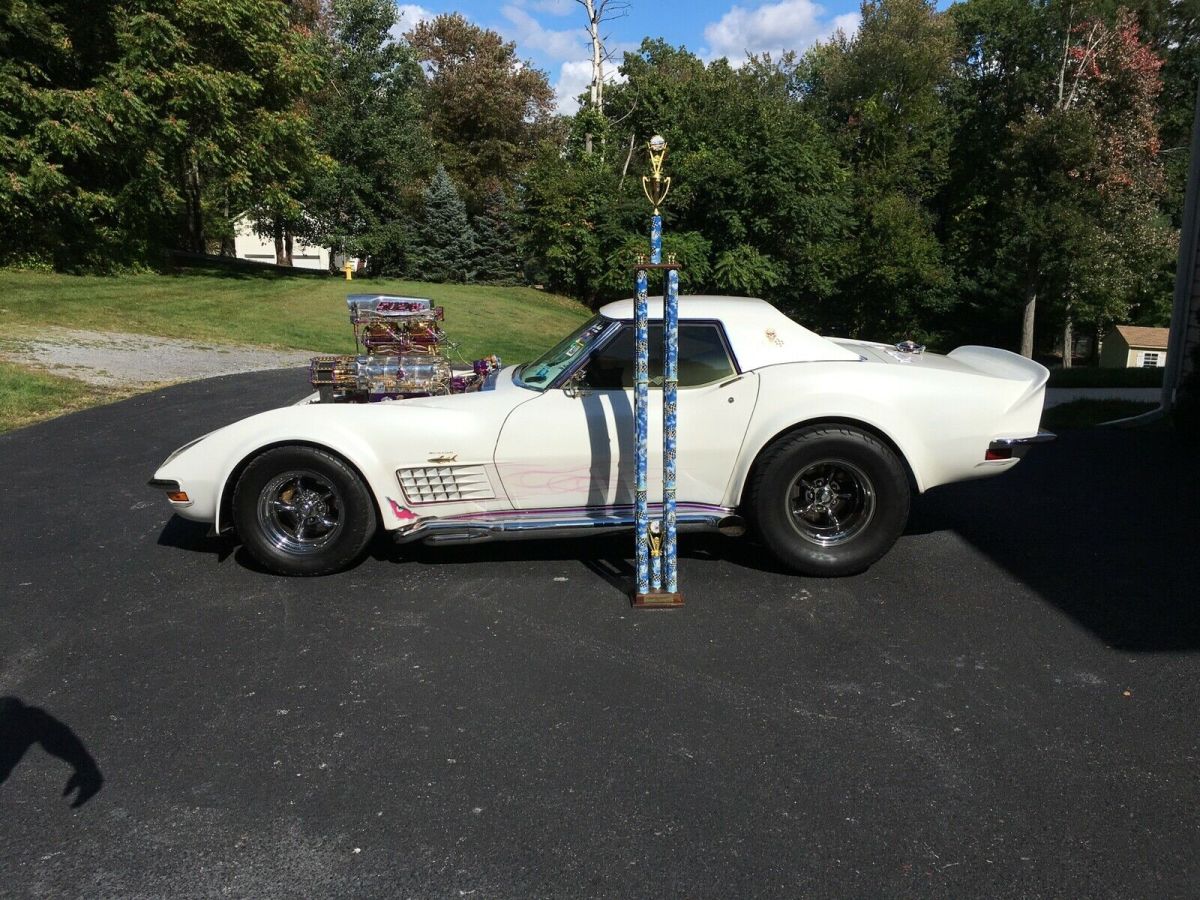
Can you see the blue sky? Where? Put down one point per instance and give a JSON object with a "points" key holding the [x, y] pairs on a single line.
{"points": [[551, 32]]}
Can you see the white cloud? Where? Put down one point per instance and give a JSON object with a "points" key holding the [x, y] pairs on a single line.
{"points": [[530, 34], [408, 16], [772, 28], [554, 7], [574, 78], [847, 22]]}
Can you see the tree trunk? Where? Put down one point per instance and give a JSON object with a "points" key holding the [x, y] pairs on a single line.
{"points": [[289, 246], [1068, 341], [277, 232], [194, 237], [596, 85], [228, 247], [628, 157], [596, 92], [1027, 319]]}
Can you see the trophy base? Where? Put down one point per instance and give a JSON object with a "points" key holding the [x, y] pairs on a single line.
{"points": [[657, 600]]}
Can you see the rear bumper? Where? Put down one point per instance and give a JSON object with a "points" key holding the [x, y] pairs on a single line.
{"points": [[1019, 446]]}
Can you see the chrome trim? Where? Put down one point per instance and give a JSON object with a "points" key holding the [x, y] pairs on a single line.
{"points": [[1042, 437], [526, 527]]}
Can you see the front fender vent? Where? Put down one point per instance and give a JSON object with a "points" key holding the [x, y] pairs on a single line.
{"points": [[441, 484]]}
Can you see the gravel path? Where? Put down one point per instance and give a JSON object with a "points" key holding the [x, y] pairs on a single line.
{"points": [[116, 359]]}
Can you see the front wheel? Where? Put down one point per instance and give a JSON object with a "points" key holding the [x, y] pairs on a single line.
{"points": [[829, 499], [302, 511]]}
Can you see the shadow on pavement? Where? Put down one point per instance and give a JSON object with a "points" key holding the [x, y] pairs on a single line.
{"points": [[184, 534], [23, 726], [1102, 524]]}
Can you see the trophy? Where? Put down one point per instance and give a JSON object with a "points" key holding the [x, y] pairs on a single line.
{"points": [[656, 564]]}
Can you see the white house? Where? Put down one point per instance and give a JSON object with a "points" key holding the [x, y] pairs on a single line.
{"points": [[249, 245]]}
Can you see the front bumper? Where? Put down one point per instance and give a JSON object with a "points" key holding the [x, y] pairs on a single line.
{"points": [[182, 498]]}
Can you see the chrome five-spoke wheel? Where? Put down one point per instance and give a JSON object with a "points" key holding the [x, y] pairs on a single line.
{"points": [[831, 501], [299, 512]]}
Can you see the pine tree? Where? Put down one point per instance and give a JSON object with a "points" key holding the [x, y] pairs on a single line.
{"points": [[445, 242], [496, 255]]}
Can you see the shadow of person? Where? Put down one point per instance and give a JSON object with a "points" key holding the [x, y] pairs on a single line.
{"points": [[23, 726]]}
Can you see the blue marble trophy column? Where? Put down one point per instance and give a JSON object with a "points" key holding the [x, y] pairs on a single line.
{"points": [[641, 399], [670, 583]]}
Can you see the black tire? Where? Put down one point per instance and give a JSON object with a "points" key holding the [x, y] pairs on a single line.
{"points": [[828, 500], [302, 511]]}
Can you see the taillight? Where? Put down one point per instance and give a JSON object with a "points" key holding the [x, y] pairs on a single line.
{"points": [[1003, 453]]}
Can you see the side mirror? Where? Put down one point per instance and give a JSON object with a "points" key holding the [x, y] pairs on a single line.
{"points": [[574, 387]]}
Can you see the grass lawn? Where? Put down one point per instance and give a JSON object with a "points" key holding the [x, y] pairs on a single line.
{"points": [[295, 313], [28, 396], [1089, 413]]}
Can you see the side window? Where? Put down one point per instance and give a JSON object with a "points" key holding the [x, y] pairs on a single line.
{"points": [[703, 358]]}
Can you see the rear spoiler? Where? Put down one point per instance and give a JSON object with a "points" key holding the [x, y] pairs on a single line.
{"points": [[1004, 364]]}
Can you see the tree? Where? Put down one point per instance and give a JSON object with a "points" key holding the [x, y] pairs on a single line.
{"points": [[446, 243], [487, 110], [881, 94], [219, 82], [368, 119], [755, 175], [54, 126], [571, 221], [1060, 206], [497, 259], [598, 13], [126, 121]]}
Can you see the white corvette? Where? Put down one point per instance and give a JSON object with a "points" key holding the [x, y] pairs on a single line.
{"points": [[815, 443]]}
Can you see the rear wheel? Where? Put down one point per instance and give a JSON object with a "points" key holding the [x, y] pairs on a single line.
{"points": [[829, 499], [302, 511]]}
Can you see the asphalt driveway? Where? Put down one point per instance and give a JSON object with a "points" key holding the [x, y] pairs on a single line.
{"points": [[1006, 705]]}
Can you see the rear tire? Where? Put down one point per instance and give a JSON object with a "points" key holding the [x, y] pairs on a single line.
{"points": [[302, 511], [829, 500]]}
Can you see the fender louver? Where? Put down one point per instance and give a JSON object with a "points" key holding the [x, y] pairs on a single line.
{"points": [[434, 484]]}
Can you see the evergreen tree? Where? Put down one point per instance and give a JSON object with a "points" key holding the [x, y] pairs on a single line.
{"points": [[496, 256], [445, 244]]}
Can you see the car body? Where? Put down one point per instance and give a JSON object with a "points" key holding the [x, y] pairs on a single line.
{"points": [[547, 449]]}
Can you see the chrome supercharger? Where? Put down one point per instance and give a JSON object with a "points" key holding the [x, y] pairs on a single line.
{"points": [[401, 352]]}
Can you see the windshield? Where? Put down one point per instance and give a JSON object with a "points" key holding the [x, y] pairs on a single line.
{"points": [[542, 372]]}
